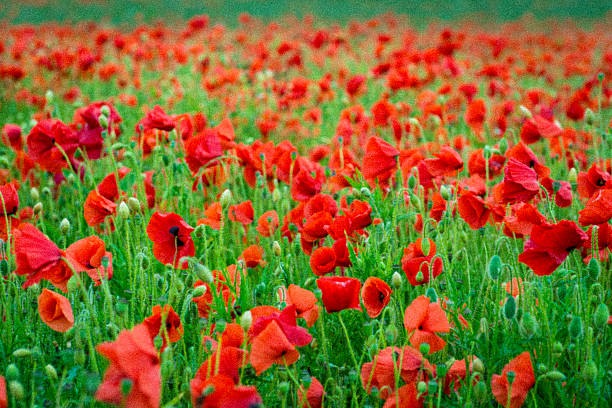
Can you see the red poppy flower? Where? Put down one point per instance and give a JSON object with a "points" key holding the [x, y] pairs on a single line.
{"points": [[323, 260], [173, 328], [522, 219], [307, 183], [339, 293], [379, 161], [253, 256], [305, 302], [457, 373], [317, 226], [220, 391], [11, 136], [360, 214], [222, 282], [550, 244], [524, 380], [43, 141], [55, 311], [85, 255], [242, 213], [212, 216], [3, 397], [134, 358], [475, 115], [598, 209], [591, 181], [171, 237], [563, 196], [520, 182], [202, 149], [477, 164], [415, 261], [438, 206], [271, 346], [313, 396], [39, 258], [9, 200], [267, 223], [424, 319], [97, 208], [604, 244], [405, 396], [406, 361], [473, 210], [156, 118], [108, 187], [526, 156], [320, 202], [375, 294], [447, 163]]}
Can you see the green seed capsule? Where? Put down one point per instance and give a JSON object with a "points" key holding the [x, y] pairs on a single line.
{"points": [[495, 267], [510, 308], [576, 328], [602, 314], [589, 371], [528, 325]]}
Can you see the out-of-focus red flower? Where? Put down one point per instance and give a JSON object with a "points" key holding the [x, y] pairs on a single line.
{"points": [[524, 380], [55, 311]]}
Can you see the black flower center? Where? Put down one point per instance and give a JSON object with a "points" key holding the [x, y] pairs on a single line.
{"points": [[175, 231]]}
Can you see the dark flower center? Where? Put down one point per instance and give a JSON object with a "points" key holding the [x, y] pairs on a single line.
{"points": [[14, 211], [381, 297], [531, 163], [600, 182], [175, 231]]}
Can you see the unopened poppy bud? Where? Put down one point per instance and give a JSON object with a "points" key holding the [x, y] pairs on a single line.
{"points": [[435, 120], [365, 192], [600, 76], [589, 371], [555, 376], [283, 387], [594, 269], [432, 295], [511, 375], [414, 200], [556, 185], [484, 326], [123, 211], [528, 325], [105, 110], [203, 273], [276, 195], [16, 390], [143, 260], [589, 116], [126, 386], [503, 146], [396, 280], [478, 365], [425, 246], [424, 348], [525, 111], [73, 284], [576, 328], [480, 391], [199, 291], [487, 152], [419, 277], [412, 182], [422, 387], [103, 121], [246, 320], [51, 372], [38, 207], [70, 178], [64, 226], [391, 333], [572, 176], [510, 308], [495, 267], [226, 198], [445, 192], [34, 194], [602, 314], [12, 372], [133, 204], [22, 352], [557, 349], [276, 249]]}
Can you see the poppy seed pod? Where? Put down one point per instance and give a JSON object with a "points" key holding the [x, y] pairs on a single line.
{"points": [[594, 269], [480, 391], [589, 371], [123, 211], [276, 248], [503, 146], [445, 192], [422, 387], [133, 204], [396, 280], [576, 328], [16, 390], [572, 176], [199, 291], [203, 273], [105, 110], [478, 366], [555, 376], [103, 121], [525, 111], [495, 267], [34, 194], [528, 325], [22, 352], [412, 182], [64, 226]]}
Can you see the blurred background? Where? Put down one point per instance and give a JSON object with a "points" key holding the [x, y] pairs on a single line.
{"points": [[420, 11]]}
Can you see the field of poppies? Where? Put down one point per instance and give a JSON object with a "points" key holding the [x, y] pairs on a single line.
{"points": [[301, 213]]}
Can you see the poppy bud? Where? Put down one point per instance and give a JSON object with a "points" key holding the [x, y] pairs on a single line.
{"points": [[602, 314], [424, 348], [49, 96], [525, 111], [572, 176], [495, 267], [38, 207], [276, 195], [365, 192], [34, 194], [589, 116], [557, 349], [484, 326], [510, 308], [478, 366], [576, 328], [391, 333], [600, 76], [412, 182], [16, 390], [422, 387], [445, 192], [589, 371], [283, 387], [555, 376], [480, 391], [143, 260], [123, 211], [419, 277], [64, 226], [487, 152], [133, 204], [503, 146], [511, 375], [396, 280], [105, 110], [73, 284], [51, 372], [12, 372], [414, 200], [126, 386], [22, 352], [528, 325], [246, 320], [432, 295], [103, 121], [593, 268], [226, 198]]}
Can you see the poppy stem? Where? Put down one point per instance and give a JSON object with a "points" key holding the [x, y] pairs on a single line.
{"points": [[324, 344], [348, 341]]}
